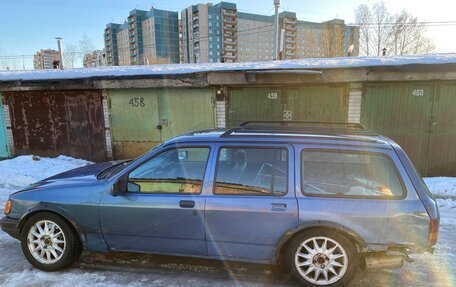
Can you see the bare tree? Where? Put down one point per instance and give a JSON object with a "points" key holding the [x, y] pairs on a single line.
{"points": [[408, 36], [86, 45], [71, 55], [400, 34], [363, 18], [381, 27]]}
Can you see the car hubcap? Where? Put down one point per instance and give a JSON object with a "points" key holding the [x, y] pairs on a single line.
{"points": [[321, 260], [46, 242]]}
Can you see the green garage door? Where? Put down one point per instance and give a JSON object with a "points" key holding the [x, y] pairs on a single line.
{"points": [[305, 103], [143, 118], [420, 117], [442, 140]]}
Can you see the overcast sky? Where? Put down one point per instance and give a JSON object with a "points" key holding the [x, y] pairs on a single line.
{"points": [[30, 25]]}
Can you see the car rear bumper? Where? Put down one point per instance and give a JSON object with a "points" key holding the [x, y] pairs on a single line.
{"points": [[10, 226]]}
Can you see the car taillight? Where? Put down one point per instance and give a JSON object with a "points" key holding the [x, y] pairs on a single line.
{"points": [[7, 209], [433, 232]]}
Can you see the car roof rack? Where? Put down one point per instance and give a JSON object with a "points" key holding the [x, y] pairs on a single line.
{"points": [[288, 128]]}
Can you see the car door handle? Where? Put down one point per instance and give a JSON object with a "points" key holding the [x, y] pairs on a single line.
{"points": [[278, 206], [187, 203]]}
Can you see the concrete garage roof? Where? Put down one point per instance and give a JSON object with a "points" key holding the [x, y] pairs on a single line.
{"points": [[113, 72]]}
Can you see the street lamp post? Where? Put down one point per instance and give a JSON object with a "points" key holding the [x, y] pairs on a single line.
{"points": [[59, 45]]}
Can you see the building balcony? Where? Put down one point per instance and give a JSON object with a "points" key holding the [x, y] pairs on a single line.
{"points": [[195, 17], [231, 13], [229, 34], [229, 27], [229, 56], [290, 53], [131, 19], [290, 47], [132, 40], [229, 43], [289, 21], [230, 49], [229, 20], [290, 27], [290, 40], [290, 34], [131, 27]]}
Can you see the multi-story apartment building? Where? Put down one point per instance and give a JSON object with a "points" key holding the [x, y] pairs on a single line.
{"points": [[147, 37], [46, 59], [209, 33], [96, 58], [219, 33]]}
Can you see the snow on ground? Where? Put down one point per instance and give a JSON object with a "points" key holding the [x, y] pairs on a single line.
{"points": [[147, 270], [24, 170]]}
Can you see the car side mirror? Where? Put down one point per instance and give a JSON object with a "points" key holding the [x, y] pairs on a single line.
{"points": [[119, 187]]}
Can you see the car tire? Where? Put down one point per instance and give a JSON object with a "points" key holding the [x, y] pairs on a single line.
{"points": [[316, 263], [49, 242]]}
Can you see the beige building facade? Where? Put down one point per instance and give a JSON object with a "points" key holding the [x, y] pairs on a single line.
{"points": [[219, 33], [46, 59]]}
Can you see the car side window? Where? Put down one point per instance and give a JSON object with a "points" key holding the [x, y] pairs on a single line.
{"points": [[251, 171], [175, 171], [349, 174]]}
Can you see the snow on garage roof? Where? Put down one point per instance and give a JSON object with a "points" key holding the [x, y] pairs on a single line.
{"points": [[180, 69]]}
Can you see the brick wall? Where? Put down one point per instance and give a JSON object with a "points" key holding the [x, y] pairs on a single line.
{"points": [[220, 114], [354, 103], [106, 116]]}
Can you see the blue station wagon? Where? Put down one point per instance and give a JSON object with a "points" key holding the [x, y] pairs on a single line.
{"points": [[324, 198]]}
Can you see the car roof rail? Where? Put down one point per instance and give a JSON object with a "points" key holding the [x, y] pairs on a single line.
{"points": [[285, 128], [301, 124]]}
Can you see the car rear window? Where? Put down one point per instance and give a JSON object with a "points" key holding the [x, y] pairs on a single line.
{"points": [[349, 174]]}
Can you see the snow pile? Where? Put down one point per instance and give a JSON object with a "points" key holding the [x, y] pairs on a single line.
{"points": [[177, 69], [23, 170], [442, 187]]}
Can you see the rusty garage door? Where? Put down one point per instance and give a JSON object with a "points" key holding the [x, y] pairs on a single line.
{"points": [[420, 117], [327, 103], [51, 123], [143, 118]]}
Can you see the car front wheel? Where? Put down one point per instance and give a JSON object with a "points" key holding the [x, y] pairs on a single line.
{"points": [[49, 243], [319, 257]]}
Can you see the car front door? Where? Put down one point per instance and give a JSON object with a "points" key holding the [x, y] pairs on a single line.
{"points": [[162, 210], [253, 202]]}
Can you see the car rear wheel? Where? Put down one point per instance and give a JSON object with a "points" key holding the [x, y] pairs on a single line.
{"points": [[319, 257], [49, 243]]}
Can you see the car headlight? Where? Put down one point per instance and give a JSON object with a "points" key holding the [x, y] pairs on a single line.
{"points": [[7, 209]]}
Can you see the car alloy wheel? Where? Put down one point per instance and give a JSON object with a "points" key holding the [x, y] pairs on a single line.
{"points": [[46, 241], [321, 260]]}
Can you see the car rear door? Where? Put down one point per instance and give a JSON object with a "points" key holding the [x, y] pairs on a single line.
{"points": [[252, 203], [163, 209]]}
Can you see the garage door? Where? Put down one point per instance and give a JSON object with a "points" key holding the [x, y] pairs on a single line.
{"points": [[51, 123], [418, 116], [305, 103], [3, 138], [442, 140], [143, 118]]}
